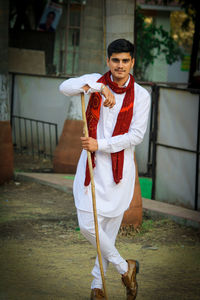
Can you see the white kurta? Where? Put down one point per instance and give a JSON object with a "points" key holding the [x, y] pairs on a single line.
{"points": [[111, 199]]}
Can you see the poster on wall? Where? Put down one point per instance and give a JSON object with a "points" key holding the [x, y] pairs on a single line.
{"points": [[185, 63], [50, 17]]}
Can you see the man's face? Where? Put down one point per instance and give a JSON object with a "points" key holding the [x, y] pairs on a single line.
{"points": [[120, 65], [50, 19]]}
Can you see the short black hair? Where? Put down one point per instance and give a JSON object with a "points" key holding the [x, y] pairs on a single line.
{"points": [[119, 46]]}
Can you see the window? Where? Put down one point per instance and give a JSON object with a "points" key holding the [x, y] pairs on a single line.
{"points": [[68, 40]]}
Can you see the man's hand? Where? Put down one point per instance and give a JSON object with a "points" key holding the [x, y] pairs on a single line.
{"points": [[109, 97], [89, 144], [86, 88]]}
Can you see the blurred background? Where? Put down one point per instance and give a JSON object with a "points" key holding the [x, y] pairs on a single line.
{"points": [[45, 42]]}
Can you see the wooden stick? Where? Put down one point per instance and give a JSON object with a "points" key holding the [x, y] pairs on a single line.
{"points": [[93, 196]]}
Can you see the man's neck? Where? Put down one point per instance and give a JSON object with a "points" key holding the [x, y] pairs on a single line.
{"points": [[120, 82]]}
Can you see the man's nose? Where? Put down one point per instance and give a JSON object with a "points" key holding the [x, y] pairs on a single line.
{"points": [[120, 64]]}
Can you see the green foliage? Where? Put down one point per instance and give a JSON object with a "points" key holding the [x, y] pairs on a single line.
{"points": [[189, 6], [151, 41]]}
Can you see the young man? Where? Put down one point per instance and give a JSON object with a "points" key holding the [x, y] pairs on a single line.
{"points": [[117, 115]]}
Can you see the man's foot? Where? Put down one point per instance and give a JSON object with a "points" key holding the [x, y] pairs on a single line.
{"points": [[129, 279], [96, 294]]}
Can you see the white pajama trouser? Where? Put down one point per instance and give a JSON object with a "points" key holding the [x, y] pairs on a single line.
{"points": [[108, 229]]}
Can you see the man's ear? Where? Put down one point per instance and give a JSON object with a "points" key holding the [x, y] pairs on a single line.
{"points": [[133, 62], [108, 60]]}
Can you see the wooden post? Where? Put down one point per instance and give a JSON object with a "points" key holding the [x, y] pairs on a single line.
{"points": [[93, 197]]}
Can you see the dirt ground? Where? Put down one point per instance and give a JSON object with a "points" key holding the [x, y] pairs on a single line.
{"points": [[44, 256], [28, 163]]}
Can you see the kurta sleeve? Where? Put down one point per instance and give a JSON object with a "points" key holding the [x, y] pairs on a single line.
{"points": [[73, 86], [137, 128]]}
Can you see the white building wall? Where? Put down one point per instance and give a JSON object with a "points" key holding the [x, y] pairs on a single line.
{"points": [[159, 70], [175, 74], [39, 98]]}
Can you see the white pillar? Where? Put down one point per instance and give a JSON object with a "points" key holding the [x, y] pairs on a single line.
{"points": [[119, 20], [91, 41]]}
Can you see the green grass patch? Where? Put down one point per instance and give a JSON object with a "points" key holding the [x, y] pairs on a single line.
{"points": [[69, 177], [147, 225]]}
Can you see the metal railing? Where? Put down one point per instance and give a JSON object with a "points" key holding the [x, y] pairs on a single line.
{"points": [[34, 137]]}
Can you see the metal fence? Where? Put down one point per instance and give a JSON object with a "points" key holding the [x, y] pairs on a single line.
{"points": [[35, 137], [174, 123], [169, 153]]}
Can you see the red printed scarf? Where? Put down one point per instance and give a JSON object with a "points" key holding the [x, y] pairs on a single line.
{"points": [[122, 125]]}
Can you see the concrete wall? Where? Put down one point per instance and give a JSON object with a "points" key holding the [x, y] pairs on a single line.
{"points": [[175, 74], [102, 22], [4, 15], [119, 20], [6, 149], [39, 98]]}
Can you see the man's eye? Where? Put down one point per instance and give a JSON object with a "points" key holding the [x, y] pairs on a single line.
{"points": [[115, 60], [125, 61]]}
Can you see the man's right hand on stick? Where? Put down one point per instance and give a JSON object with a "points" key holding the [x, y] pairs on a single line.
{"points": [[107, 93]]}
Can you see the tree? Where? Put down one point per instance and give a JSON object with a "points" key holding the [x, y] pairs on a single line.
{"points": [[192, 9], [152, 41]]}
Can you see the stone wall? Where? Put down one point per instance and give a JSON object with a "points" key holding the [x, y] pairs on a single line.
{"points": [[4, 13]]}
